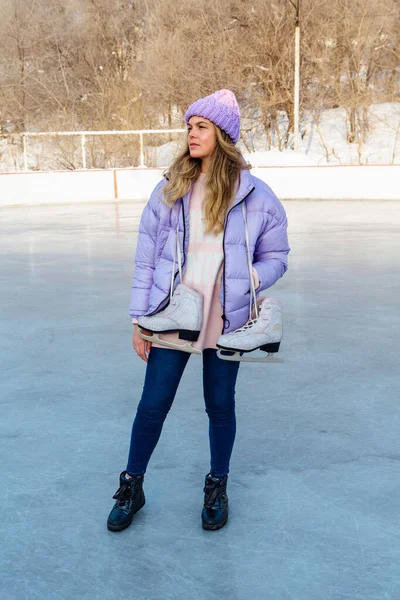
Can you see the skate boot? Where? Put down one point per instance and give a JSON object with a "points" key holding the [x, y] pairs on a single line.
{"points": [[129, 499], [183, 315], [215, 511], [263, 331]]}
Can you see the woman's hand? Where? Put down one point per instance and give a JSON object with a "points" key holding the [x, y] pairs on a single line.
{"points": [[141, 347]]}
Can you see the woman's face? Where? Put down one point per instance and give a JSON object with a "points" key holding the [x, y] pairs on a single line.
{"points": [[202, 137]]}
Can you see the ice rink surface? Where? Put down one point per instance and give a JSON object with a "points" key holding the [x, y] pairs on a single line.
{"points": [[314, 486]]}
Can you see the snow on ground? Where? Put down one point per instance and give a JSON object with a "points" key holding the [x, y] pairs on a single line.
{"points": [[323, 142], [326, 141], [163, 155]]}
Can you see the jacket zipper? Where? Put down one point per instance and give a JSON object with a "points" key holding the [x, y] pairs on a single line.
{"points": [[161, 306], [223, 248]]}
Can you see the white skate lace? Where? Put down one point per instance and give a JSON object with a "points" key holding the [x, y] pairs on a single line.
{"points": [[247, 326], [253, 296], [177, 251]]}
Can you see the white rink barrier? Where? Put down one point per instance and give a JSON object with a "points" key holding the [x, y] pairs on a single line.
{"points": [[370, 182]]}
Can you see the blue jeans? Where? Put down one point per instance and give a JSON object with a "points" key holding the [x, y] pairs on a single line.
{"points": [[163, 374]]}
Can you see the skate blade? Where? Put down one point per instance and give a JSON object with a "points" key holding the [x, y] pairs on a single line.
{"points": [[155, 339], [235, 357]]}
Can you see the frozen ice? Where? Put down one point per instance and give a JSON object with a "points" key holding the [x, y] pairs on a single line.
{"points": [[314, 486]]}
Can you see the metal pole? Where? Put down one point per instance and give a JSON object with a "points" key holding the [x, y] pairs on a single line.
{"points": [[25, 153], [296, 87], [141, 151], [296, 102], [83, 152]]}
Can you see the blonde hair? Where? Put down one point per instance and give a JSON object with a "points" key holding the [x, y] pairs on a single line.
{"points": [[226, 165]]}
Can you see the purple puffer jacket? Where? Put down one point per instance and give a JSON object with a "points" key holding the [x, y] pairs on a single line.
{"points": [[267, 225]]}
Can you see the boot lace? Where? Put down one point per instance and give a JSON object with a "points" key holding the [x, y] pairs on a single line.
{"points": [[212, 491], [123, 494]]}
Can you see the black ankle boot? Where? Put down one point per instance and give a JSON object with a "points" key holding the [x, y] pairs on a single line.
{"points": [[215, 511], [129, 499]]}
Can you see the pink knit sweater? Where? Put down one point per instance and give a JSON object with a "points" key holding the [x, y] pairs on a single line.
{"points": [[204, 270]]}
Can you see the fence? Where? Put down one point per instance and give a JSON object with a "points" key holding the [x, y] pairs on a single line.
{"points": [[83, 139], [353, 182]]}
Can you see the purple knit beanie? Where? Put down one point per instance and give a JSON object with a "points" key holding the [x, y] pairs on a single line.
{"points": [[221, 108]]}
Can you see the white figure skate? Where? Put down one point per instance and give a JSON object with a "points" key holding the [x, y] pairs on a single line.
{"points": [[262, 331], [183, 315]]}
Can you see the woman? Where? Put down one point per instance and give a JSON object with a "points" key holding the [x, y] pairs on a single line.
{"points": [[198, 204]]}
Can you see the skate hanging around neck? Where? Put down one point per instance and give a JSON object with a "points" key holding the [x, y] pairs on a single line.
{"points": [[183, 315], [262, 332]]}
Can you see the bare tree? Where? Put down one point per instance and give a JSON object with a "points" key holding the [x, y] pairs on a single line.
{"points": [[92, 64]]}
